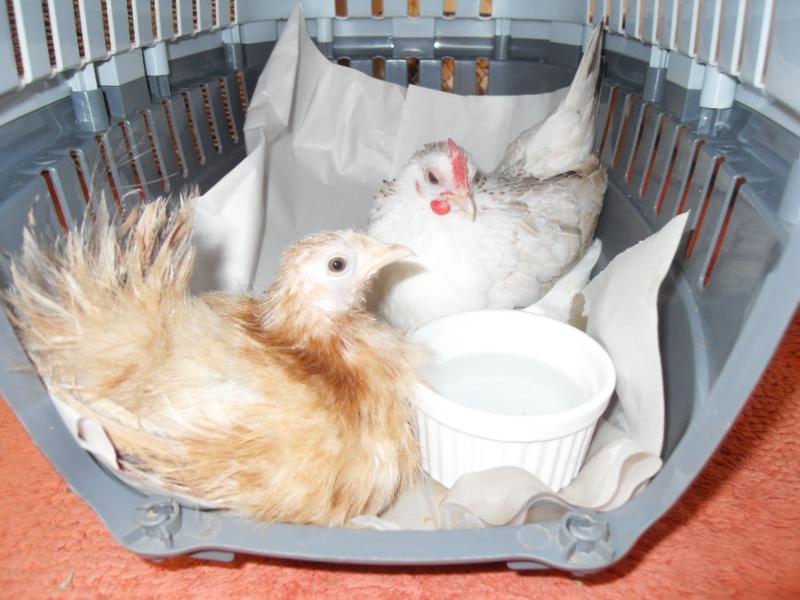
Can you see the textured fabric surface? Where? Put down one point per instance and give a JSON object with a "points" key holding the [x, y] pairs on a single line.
{"points": [[733, 534]]}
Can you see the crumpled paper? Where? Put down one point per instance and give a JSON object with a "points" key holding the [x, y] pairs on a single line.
{"points": [[620, 310], [329, 134], [229, 227], [320, 139], [91, 436]]}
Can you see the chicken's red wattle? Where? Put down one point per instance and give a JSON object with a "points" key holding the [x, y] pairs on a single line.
{"points": [[440, 207]]}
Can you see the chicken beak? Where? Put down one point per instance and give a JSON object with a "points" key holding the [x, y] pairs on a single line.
{"points": [[464, 200], [383, 254]]}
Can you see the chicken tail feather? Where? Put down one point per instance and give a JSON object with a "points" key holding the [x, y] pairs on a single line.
{"points": [[583, 88], [75, 299], [563, 141]]}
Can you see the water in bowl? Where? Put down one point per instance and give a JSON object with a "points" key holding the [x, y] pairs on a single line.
{"points": [[506, 384]]}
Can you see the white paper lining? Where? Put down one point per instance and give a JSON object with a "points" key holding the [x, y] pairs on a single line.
{"points": [[620, 459], [330, 135], [320, 139]]}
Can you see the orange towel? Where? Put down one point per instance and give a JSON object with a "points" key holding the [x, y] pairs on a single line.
{"points": [[733, 534]]}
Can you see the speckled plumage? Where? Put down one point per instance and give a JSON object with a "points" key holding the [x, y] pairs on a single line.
{"points": [[526, 223]]}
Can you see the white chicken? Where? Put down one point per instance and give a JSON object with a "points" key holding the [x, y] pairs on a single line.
{"points": [[498, 240]]}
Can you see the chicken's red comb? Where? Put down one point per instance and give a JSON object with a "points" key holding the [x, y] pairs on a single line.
{"points": [[459, 160]]}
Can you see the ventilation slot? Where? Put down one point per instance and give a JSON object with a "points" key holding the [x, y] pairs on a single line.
{"points": [[195, 23], [174, 17], [687, 186], [604, 15], [173, 138], [226, 109], [723, 230], [12, 24], [670, 169], [612, 104], [343, 61], [134, 165], [377, 8], [232, 10], [214, 16], [154, 19], [198, 152], [412, 67], [379, 68], [413, 8], [341, 8], [51, 187], [449, 8], [111, 181], [485, 9], [154, 149], [448, 74], [76, 10], [652, 163], [76, 160], [626, 116], [638, 143], [706, 201], [106, 25], [212, 124], [243, 88], [48, 32], [482, 76], [131, 24]]}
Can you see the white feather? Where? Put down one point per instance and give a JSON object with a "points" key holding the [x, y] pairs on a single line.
{"points": [[535, 215]]}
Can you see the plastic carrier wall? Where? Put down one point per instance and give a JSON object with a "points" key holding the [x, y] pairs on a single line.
{"points": [[700, 111]]}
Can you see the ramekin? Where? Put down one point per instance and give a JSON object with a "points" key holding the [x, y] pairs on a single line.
{"points": [[458, 439]]}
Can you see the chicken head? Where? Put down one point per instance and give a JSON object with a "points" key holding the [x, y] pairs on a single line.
{"points": [[329, 272], [440, 175]]}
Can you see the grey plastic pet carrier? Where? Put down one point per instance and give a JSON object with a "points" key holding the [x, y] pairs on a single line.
{"points": [[699, 111]]}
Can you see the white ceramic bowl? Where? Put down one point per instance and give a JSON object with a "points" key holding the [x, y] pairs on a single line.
{"points": [[510, 388]]}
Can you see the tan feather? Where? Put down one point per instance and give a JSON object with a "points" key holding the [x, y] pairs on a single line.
{"points": [[275, 406]]}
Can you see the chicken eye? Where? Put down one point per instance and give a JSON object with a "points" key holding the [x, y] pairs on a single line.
{"points": [[432, 178], [337, 265]]}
